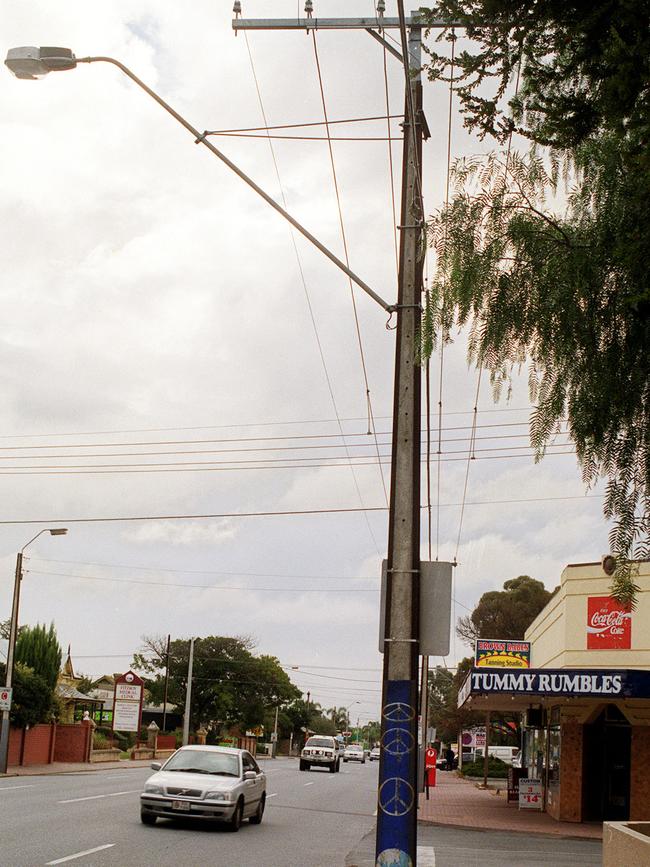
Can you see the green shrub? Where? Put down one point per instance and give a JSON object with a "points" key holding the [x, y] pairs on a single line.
{"points": [[496, 768], [100, 741]]}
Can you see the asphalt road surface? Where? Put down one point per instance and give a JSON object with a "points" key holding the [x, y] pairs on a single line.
{"points": [[312, 820]]}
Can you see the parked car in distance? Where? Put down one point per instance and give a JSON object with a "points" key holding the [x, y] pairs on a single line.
{"points": [[509, 755], [205, 782], [354, 753], [374, 754], [321, 751]]}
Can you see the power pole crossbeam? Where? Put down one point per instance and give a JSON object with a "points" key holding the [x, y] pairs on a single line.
{"points": [[329, 23]]}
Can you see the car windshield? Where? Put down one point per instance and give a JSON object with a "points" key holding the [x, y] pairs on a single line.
{"points": [[354, 747], [204, 762], [320, 742]]}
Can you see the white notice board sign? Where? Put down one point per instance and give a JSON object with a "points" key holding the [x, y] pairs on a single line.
{"points": [[531, 795], [126, 716], [5, 699]]}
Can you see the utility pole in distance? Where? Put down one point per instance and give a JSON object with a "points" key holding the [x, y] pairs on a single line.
{"points": [[398, 789]]}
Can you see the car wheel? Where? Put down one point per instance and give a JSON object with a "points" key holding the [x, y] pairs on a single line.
{"points": [[338, 766], [345, 761], [237, 816], [257, 818], [147, 818], [303, 766]]}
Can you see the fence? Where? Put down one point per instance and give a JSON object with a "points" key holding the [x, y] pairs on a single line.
{"points": [[44, 744]]}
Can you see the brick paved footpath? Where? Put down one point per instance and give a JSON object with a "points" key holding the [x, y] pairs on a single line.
{"points": [[458, 802]]}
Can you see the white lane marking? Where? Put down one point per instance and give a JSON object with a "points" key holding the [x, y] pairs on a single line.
{"points": [[426, 856], [29, 786], [97, 797], [80, 854], [272, 795], [308, 784]]}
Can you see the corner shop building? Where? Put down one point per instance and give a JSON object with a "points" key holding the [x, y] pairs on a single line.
{"points": [[585, 700]]}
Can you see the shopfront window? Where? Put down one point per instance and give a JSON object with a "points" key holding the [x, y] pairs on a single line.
{"points": [[554, 749], [535, 753]]}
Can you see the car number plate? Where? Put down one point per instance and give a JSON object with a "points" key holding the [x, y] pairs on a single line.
{"points": [[181, 805]]}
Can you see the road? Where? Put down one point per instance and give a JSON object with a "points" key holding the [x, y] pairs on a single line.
{"points": [[312, 820]]}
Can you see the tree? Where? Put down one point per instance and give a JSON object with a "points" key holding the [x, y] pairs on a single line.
{"points": [[444, 714], [505, 613], [339, 717], [566, 289], [33, 698], [230, 686], [85, 684], [38, 648]]}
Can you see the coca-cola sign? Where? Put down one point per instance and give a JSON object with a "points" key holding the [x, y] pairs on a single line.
{"points": [[609, 624]]}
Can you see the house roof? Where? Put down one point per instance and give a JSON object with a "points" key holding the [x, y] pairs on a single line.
{"points": [[68, 692]]}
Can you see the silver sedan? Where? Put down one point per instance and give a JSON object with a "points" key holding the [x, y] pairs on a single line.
{"points": [[204, 782]]}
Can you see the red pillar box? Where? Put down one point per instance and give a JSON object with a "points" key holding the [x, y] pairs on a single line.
{"points": [[430, 758]]}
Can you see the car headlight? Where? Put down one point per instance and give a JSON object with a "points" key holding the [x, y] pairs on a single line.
{"points": [[217, 796], [151, 789]]}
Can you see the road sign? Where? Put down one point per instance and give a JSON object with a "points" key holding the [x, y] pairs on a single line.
{"points": [[346, 734], [5, 699]]}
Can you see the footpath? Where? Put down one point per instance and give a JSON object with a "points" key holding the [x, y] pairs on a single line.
{"points": [[456, 803], [88, 768]]}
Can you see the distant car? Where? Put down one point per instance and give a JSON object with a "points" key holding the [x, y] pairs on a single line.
{"points": [[208, 783], [375, 753], [354, 753], [321, 751], [441, 763]]}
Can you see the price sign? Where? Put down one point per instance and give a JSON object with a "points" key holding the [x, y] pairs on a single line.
{"points": [[531, 795], [5, 699]]}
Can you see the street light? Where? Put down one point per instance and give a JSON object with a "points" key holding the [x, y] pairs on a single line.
{"points": [[13, 631], [347, 711], [29, 62]]}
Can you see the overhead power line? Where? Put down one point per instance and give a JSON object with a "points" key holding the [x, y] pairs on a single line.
{"points": [[269, 514]]}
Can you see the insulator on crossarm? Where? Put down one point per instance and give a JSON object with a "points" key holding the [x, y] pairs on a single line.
{"points": [[309, 8], [381, 8], [237, 8]]}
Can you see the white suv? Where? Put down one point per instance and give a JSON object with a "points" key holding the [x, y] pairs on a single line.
{"points": [[321, 751]]}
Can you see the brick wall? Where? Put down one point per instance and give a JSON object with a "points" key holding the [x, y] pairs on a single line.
{"points": [[639, 777], [72, 743], [31, 746], [570, 799], [43, 744], [15, 746]]}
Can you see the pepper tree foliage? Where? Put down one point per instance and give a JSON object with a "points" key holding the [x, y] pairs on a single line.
{"points": [[230, 685], [545, 255], [504, 613]]}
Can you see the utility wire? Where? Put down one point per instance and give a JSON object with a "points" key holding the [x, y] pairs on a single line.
{"points": [[371, 422], [269, 514], [308, 298], [228, 426], [267, 127]]}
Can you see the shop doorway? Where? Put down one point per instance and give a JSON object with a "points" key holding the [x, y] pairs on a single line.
{"points": [[606, 767]]}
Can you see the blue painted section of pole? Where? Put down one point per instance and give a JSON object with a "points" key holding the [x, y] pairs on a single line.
{"points": [[397, 794]]}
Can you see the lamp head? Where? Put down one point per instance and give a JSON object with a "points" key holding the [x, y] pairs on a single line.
{"points": [[31, 63], [58, 531]]}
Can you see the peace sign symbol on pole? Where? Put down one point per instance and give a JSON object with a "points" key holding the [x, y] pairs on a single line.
{"points": [[396, 797], [397, 741], [398, 711]]}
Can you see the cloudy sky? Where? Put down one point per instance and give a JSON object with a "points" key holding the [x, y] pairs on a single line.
{"points": [[158, 313]]}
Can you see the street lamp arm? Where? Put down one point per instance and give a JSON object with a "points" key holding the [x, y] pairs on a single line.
{"points": [[27, 544], [200, 138]]}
